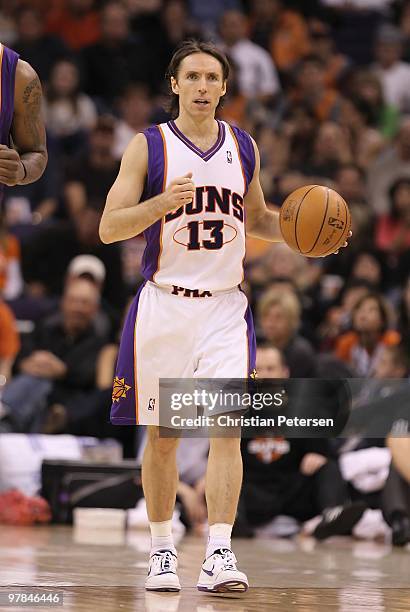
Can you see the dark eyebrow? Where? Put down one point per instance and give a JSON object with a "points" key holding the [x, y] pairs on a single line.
{"points": [[196, 72]]}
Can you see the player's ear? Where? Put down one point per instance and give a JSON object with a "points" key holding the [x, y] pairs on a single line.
{"points": [[174, 85], [223, 88]]}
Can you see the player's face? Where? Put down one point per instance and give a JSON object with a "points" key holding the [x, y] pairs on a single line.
{"points": [[199, 84]]}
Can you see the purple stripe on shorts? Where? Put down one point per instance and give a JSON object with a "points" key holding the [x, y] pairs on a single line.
{"points": [[251, 340], [247, 153], [124, 409], [154, 186]]}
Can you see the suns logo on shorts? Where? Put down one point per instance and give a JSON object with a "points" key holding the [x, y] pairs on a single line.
{"points": [[253, 374], [119, 389]]}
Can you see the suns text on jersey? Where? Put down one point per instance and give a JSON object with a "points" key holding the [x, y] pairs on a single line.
{"points": [[209, 198]]}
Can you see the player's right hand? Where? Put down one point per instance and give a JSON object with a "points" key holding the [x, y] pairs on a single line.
{"points": [[179, 192]]}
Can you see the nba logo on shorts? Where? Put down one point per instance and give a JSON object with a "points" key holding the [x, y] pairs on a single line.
{"points": [[151, 403], [229, 157]]}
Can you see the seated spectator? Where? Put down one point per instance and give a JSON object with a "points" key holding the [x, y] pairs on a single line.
{"points": [[69, 114], [393, 73], [370, 332], [323, 46], [48, 254], [351, 184], [11, 280], [295, 477], [392, 232], [257, 76], [381, 115], [368, 265], [34, 45], [281, 31], [404, 314], [391, 165], [299, 127], [338, 317], [115, 61], [278, 314], [76, 22], [90, 176], [331, 149], [365, 462], [175, 27], [366, 142], [9, 343], [311, 90], [58, 362], [135, 109]]}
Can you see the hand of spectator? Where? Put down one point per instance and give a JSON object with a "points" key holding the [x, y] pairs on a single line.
{"points": [[43, 364], [311, 463], [193, 503], [11, 167]]}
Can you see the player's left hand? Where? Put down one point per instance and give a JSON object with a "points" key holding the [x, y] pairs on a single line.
{"points": [[11, 166], [349, 235]]}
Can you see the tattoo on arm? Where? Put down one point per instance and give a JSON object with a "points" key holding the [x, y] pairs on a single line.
{"points": [[32, 119]]}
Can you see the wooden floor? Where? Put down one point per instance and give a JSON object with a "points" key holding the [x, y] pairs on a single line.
{"points": [[100, 572]]}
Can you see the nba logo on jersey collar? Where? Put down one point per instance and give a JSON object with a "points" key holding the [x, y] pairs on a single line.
{"points": [[229, 157]]}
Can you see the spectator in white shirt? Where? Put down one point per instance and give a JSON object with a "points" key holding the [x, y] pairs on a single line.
{"points": [[257, 76], [393, 73]]}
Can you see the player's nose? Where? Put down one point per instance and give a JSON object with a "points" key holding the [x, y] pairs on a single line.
{"points": [[202, 85]]}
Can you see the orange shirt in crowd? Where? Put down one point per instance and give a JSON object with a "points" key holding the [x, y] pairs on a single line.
{"points": [[77, 32], [9, 249], [9, 338], [290, 40], [347, 342]]}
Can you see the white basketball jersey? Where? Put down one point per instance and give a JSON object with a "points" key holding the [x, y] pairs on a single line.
{"points": [[201, 245]]}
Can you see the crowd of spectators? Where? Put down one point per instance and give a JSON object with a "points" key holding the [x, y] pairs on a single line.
{"points": [[322, 86]]}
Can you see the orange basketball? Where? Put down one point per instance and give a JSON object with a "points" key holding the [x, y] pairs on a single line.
{"points": [[314, 220]]}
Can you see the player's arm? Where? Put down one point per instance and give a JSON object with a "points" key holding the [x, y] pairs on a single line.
{"points": [[25, 163], [260, 221], [121, 218]]}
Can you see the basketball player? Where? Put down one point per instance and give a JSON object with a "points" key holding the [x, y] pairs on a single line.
{"points": [[196, 182], [23, 153]]}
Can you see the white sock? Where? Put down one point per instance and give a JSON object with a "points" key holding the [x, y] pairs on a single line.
{"points": [[161, 536], [219, 537]]}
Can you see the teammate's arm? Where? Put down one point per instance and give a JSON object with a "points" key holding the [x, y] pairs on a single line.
{"points": [[25, 163], [260, 221], [121, 218]]}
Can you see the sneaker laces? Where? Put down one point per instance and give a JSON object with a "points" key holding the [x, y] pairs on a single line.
{"points": [[163, 561], [229, 559]]}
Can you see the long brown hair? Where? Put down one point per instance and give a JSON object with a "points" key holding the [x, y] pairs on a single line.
{"points": [[189, 47]]}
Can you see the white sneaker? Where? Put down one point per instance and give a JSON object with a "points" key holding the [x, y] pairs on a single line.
{"points": [[162, 572], [219, 574]]}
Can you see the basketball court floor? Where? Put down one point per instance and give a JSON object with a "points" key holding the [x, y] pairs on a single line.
{"points": [[104, 571]]}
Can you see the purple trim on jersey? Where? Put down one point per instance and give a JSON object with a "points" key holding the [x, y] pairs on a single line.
{"points": [[8, 75], [205, 155], [154, 185], [251, 340], [247, 153], [124, 411]]}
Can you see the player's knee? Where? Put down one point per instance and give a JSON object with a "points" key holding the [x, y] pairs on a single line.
{"points": [[159, 443]]}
